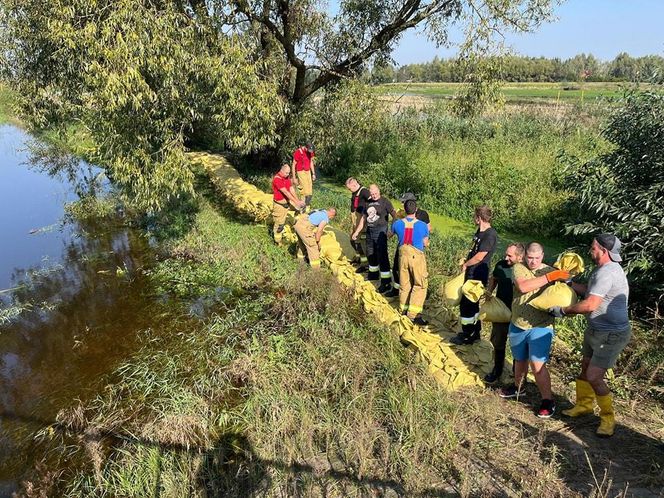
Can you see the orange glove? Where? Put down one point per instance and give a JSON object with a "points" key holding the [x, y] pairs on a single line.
{"points": [[557, 275]]}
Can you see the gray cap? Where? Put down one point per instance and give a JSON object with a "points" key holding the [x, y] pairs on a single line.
{"points": [[408, 196], [612, 244]]}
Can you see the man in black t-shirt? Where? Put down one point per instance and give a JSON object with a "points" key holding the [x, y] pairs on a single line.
{"points": [[501, 280], [421, 215], [358, 200], [375, 219], [476, 267]]}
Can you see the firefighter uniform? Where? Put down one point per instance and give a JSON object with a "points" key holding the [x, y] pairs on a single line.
{"points": [[423, 216], [358, 203], [412, 264], [303, 158], [375, 218], [279, 205], [305, 228]]}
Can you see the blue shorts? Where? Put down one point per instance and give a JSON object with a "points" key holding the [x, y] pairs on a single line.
{"points": [[530, 344]]}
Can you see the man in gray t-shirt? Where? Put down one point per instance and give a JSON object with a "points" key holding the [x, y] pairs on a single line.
{"points": [[608, 332]]}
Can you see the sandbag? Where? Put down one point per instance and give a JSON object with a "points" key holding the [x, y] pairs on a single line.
{"points": [[558, 294], [473, 290], [452, 290], [494, 310], [571, 262]]}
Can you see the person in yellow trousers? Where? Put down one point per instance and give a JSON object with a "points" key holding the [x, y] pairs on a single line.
{"points": [[608, 331], [309, 229], [413, 235], [282, 194], [304, 171]]}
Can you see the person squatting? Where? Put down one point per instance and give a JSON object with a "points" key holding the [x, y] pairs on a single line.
{"points": [[519, 277]]}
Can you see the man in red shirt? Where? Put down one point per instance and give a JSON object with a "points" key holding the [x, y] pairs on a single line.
{"points": [[304, 171], [282, 194]]}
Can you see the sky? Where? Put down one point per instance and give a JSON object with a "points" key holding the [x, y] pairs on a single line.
{"points": [[601, 27]]}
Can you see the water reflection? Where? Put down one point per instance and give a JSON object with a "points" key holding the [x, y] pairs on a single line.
{"points": [[78, 294]]}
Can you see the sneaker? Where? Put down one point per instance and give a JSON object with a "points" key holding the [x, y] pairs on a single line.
{"points": [[392, 293], [362, 269], [493, 376], [547, 408], [418, 320], [511, 391]]}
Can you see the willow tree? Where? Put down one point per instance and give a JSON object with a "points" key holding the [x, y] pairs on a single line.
{"points": [[317, 46], [142, 79]]}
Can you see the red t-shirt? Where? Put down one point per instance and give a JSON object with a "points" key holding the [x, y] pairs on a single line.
{"points": [[303, 159], [279, 182]]}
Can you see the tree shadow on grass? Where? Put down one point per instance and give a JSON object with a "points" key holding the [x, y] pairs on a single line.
{"points": [[231, 468], [629, 461]]}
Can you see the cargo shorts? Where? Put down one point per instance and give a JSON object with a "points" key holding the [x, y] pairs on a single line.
{"points": [[603, 347]]}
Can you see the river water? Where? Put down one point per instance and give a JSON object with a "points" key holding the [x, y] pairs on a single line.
{"points": [[72, 294]]}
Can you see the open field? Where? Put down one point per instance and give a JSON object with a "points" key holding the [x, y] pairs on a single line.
{"points": [[519, 92]]}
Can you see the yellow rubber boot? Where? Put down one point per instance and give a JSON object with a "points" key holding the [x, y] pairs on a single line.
{"points": [[585, 396], [607, 418]]}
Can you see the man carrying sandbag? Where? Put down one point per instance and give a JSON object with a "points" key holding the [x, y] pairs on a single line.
{"points": [[282, 193], [421, 215], [375, 219], [608, 331], [413, 235], [531, 330], [501, 281], [304, 171], [359, 198], [309, 229], [476, 267]]}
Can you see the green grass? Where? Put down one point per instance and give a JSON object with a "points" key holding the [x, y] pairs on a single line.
{"points": [[285, 387], [566, 92]]}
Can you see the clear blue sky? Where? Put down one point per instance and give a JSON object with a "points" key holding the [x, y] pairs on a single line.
{"points": [[601, 27]]}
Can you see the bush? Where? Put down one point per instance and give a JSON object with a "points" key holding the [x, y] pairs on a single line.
{"points": [[621, 191]]}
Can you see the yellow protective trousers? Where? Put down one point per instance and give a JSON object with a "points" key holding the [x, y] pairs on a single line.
{"points": [[305, 183], [279, 213], [306, 241], [361, 245], [413, 278]]}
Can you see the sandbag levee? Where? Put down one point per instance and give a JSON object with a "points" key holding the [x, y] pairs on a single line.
{"points": [[336, 252]]}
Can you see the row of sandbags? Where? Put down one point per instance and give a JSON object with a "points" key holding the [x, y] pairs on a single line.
{"points": [[452, 366], [494, 310]]}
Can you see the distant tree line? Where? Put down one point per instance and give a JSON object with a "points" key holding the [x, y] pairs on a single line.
{"points": [[516, 68]]}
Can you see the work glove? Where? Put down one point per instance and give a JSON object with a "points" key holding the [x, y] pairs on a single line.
{"points": [[556, 311], [557, 275]]}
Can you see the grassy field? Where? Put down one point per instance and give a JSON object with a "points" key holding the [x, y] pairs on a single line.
{"points": [[514, 92]]}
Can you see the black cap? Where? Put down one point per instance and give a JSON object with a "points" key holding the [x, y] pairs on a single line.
{"points": [[612, 244]]}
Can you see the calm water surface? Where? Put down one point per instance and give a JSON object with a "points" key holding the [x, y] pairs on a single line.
{"points": [[72, 295]]}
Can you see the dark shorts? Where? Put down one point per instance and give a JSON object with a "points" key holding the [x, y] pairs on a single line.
{"points": [[603, 348]]}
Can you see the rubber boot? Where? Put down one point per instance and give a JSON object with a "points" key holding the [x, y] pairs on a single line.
{"points": [[497, 372], [607, 417], [585, 396]]}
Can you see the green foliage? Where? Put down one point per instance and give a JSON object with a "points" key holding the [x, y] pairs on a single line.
{"points": [[144, 79], [621, 191], [581, 67]]}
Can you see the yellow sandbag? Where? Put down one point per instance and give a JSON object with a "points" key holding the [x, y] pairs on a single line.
{"points": [[494, 310], [571, 262], [452, 290], [335, 244], [558, 294], [473, 290]]}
